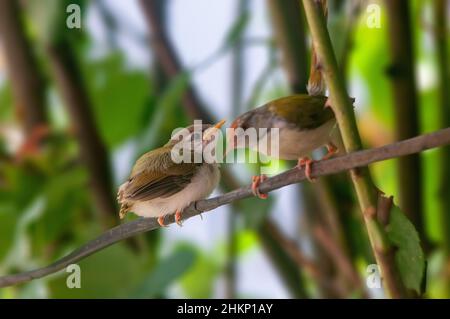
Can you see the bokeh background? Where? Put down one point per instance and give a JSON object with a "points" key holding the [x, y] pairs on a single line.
{"points": [[79, 105]]}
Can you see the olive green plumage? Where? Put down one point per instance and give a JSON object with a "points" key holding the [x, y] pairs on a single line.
{"points": [[304, 111], [299, 111]]}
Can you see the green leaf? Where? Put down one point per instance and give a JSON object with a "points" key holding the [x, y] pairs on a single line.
{"points": [[110, 273], [199, 281], [409, 256], [119, 98], [166, 272]]}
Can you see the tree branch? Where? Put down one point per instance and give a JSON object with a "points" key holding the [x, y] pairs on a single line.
{"points": [[26, 80], [332, 166], [93, 152]]}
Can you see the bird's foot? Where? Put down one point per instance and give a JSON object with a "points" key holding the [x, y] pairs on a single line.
{"points": [[178, 218], [332, 149], [161, 221], [307, 162], [256, 181]]}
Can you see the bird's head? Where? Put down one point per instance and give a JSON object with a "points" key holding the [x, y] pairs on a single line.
{"points": [[197, 134], [237, 130]]}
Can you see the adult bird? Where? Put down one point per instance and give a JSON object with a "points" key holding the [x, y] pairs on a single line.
{"points": [[304, 123]]}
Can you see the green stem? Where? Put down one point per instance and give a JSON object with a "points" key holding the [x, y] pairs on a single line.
{"points": [[343, 109]]}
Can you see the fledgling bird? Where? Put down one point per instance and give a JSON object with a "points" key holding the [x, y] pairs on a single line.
{"points": [[159, 186], [305, 123]]}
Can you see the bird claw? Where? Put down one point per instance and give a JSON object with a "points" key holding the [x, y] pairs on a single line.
{"points": [[256, 181], [307, 162], [332, 149], [178, 218], [161, 221]]}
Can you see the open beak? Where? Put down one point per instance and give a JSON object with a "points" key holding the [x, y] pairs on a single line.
{"points": [[213, 130]]}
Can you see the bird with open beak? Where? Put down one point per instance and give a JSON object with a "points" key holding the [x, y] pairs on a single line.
{"points": [[304, 123], [159, 185]]}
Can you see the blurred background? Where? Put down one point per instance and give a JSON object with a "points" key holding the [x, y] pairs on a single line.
{"points": [[81, 100]]}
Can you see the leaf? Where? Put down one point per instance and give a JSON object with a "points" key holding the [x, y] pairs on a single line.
{"points": [[199, 281], [166, 272], [409, 256], [119, 98], [110, 273]]}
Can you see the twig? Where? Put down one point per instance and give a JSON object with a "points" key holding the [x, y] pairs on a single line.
{"points": [[169, 60], [331, 166], [343, 262], [93, 152], [272, 240]]}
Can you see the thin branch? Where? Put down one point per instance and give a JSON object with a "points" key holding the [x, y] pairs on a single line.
{"points": [[340, 257], [283, 258], [328, 167], [169, 60], [93, 152], [26, 80]]}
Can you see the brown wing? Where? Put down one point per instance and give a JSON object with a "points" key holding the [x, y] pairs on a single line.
{"points": [[163, 178]]}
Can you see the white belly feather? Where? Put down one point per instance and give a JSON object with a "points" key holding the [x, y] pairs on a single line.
{"points": [[201, 186], [294, 143]]}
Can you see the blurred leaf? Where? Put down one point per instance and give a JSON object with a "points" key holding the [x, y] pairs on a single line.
{"points": [[246, 240], [255, 210], [119, 97], [409, 255], [166, 272], [198, 282], [64, 193], [7, 228], [6, 102], [110, 273], [49, 18]]}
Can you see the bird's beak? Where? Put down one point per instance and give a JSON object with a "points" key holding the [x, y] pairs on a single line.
{"points": [[213, 130]]}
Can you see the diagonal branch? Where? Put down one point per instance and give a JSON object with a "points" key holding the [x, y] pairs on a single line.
{"points": [[332, 166]]}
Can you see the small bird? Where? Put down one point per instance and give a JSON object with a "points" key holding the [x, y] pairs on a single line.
{"points": [[305, 123], [159, 186]]}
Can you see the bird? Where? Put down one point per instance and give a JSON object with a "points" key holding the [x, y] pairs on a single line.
{"points": [[159, 185], [305, 123]]}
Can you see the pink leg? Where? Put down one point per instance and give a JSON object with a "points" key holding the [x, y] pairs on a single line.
{"points": [[307, 162], [256, 180], [178, 218]]}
